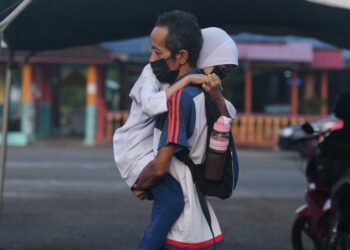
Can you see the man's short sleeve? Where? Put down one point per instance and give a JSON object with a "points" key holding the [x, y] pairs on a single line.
{"points": [[179, 122]]}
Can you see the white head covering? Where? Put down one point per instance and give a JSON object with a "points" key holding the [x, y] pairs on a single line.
{"points": [[218, 48]]}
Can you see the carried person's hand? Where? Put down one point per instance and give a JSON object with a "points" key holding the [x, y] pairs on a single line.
{"points": [[198, 78], [141, 194]]}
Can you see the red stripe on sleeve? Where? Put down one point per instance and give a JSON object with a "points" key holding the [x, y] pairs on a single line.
{"points": [[176, 139], [171, 120]]}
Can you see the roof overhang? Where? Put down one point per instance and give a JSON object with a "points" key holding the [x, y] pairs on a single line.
{"points": [[48, 24], [343, 4]]}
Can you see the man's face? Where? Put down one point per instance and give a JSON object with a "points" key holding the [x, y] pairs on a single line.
{"points": [[158, 48]]}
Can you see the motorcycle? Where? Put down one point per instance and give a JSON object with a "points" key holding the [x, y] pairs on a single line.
{"points": [[323, 223]]}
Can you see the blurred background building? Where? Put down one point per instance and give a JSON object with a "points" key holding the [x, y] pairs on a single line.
{"points": [[83, 93]]}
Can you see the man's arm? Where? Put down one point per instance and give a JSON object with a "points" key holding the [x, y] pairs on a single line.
{"points": [[221, 105], [156, 169], [213, 87], [177, 127]]}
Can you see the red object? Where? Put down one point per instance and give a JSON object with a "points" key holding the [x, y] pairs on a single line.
{"points": [[324, 93], [174, 116], [339, 124], [316, 200], [248, 90], [294, 94], [328, 59], [195, 245], [313, 211], [46, 91]]}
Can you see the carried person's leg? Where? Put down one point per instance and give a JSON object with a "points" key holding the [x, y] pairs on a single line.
{"points": [[167, 207]]}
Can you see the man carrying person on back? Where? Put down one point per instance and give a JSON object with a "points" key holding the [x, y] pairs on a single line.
{"points": [[176, 41]]}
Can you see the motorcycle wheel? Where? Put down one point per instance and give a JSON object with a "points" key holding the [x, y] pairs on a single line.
{"points": [[331, 240], [301, 238], [335, 238]]}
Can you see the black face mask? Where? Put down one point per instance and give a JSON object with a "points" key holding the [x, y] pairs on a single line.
{"points": [[219, 72], [161, 70]]}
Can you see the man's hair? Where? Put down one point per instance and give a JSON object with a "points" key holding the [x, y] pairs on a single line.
{"points": [[183, 33]]}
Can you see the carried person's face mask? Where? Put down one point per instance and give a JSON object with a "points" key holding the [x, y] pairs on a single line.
{"points": [[219, 72], [162, 71]]}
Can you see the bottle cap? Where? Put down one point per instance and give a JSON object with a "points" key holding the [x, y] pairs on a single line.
{"points": [[223, 124]]}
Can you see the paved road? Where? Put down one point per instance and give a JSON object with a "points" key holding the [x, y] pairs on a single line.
{"points": [[72, 198]]}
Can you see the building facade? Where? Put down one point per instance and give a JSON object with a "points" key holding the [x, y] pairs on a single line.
{"points": [[83, 93]]}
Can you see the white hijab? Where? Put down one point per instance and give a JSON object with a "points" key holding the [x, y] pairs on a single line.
{"points": [[218, 48]]}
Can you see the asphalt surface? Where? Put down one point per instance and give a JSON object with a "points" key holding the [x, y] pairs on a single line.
{"points": [[72, 198]]}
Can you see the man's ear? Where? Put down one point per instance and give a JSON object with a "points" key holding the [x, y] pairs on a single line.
{"points": [[182, 57]]}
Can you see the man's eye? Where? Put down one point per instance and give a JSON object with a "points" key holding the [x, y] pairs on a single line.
{"points": [[156, 52]]}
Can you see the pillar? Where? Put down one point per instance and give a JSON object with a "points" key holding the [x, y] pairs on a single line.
{"points": [[91, 96], [294, 94], [324, 93], [27, 121], [101, 104], [2, 85], [248, 89], [309, 86], [45, 123], [124, 87]]}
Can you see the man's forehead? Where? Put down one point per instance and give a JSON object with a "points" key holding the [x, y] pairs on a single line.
{"points": [[158, 35]]}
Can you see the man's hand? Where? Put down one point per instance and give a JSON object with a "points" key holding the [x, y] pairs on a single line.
{"points": [[213, 86]]}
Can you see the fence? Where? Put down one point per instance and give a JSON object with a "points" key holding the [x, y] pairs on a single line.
{"points": [[248, 130], [261, 129]]}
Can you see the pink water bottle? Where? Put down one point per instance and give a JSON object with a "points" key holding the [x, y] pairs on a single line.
{"points": [[218, 143]]}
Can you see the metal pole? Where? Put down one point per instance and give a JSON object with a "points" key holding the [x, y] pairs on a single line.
{"points": [[4, 124], [7, 21], [3, 25]]}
